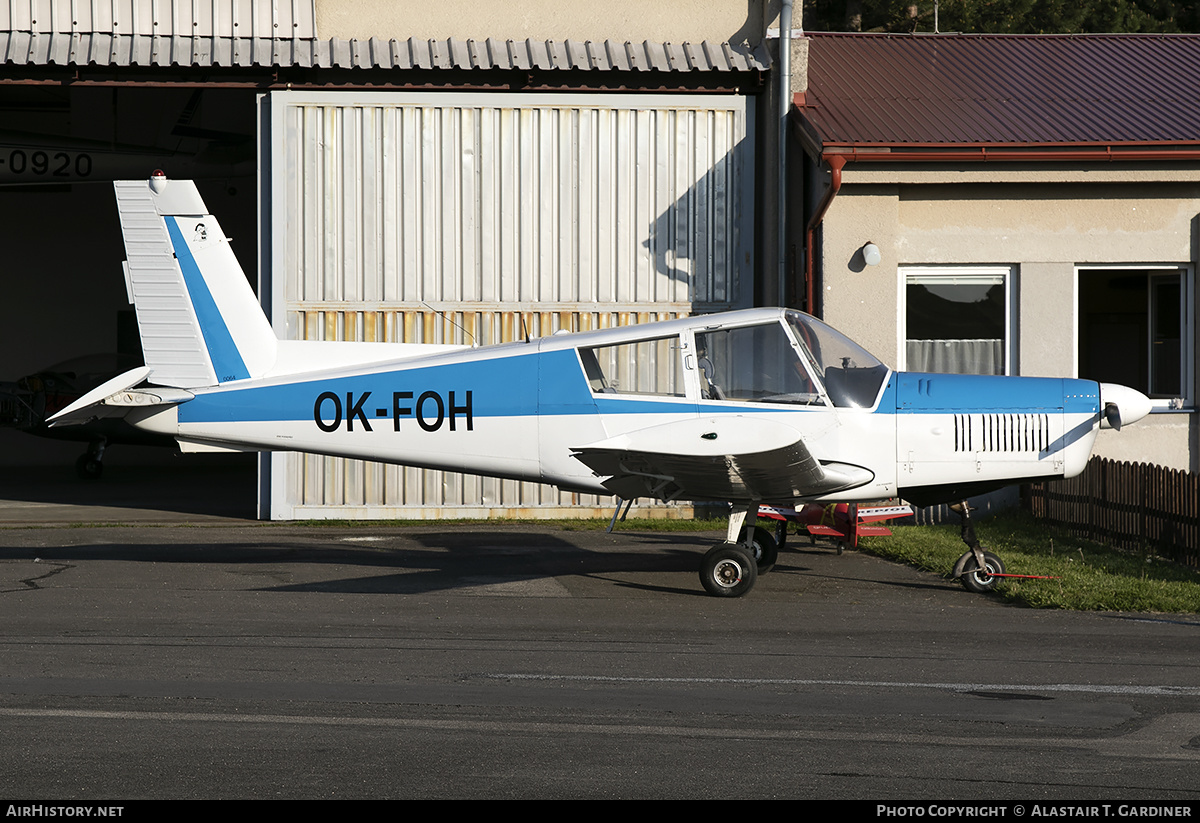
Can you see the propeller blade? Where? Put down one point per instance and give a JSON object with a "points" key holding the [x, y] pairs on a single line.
{"points": [[1112, 413]]}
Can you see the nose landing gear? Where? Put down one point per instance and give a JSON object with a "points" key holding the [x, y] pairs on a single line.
{"points": [[978, 570]]}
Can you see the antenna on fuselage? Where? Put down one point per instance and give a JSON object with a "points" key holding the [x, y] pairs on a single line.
{"points": [[447, 317]]}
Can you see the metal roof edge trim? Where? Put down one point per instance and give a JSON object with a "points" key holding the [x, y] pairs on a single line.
{"points": [[1188, 150], [100, 48], [958, 35]]}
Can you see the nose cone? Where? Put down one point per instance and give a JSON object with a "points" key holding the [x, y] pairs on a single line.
{"points": [[1121, 405]]}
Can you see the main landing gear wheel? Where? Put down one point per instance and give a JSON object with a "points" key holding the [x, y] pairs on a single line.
{"points": [[88, 468], [975, 579], [764, 548], [728, 571]]}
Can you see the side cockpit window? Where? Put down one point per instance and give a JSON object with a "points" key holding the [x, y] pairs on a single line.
{"points": [[753, 363], [652, 367]]}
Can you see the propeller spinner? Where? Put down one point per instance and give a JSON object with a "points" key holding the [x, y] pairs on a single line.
{"points": [[1122, 405]]}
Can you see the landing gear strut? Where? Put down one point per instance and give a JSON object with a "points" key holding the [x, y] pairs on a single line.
{"points": [[763, 547], [978, 570], [90, 466]]}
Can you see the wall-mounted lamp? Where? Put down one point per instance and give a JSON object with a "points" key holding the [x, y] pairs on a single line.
{"points": [[871, 255]]}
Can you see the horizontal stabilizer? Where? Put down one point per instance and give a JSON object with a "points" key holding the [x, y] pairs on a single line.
{"points": [[78, 412], [116, 397]]}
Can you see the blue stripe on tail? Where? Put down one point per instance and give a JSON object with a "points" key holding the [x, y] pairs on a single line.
{"points": [[226, 360]]}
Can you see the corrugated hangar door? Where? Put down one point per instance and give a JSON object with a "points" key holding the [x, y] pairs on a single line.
{"points": [[442, 217]]}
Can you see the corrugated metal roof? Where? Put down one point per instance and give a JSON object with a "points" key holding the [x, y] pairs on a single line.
{"points": [[955, 90], [243, 33], [103, 49]]}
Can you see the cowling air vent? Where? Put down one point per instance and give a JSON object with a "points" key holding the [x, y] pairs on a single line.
{"points": [[1001, 432]]}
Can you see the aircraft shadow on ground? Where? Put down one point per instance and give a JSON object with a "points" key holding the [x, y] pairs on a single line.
{"points": [[439, 562], [402, 561]]}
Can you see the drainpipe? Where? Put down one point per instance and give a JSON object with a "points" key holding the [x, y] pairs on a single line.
{"points": [[835, 163], [785, 108]]}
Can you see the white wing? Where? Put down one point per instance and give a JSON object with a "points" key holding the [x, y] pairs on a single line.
{"points": [[727, 458]]}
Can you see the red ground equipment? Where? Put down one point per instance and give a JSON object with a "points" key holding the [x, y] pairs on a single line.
{"points": [[844, 522]]}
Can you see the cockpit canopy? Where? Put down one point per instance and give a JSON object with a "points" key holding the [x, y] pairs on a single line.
{"points": [[791, 358]]}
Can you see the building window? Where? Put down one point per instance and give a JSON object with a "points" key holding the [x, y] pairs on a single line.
{"points": [[1135, 328], [956, 320]]}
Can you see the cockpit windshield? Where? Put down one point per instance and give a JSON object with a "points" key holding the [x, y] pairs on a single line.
{"points": [[852, 375]]}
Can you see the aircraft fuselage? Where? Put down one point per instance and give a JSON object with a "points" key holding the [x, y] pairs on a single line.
{"points": [[523, 410]]}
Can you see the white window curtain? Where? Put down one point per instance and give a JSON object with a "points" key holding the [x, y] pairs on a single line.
{"points": [[956, 356], [956, 321]]}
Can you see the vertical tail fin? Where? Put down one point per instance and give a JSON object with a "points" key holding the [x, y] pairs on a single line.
{"points": [[199, 320]]}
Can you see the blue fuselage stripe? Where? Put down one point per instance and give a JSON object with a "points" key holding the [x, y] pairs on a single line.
{"points": [[499, 387], [553, 384]]}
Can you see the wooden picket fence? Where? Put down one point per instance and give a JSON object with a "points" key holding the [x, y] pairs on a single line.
{"points": [[1133, 506]]}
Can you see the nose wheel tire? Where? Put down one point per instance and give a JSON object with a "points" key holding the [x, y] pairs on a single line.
{"points": [[763, 546], [727, 571], [975, 579]]}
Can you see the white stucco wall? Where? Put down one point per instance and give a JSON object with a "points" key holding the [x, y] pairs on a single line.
{"points": [[667, 21], [1044, 224]]}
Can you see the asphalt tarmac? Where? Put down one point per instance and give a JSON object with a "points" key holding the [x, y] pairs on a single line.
{"points": [[208, 656]]}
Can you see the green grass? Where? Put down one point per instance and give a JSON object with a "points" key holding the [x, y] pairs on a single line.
{"points": [[1093, 577]]}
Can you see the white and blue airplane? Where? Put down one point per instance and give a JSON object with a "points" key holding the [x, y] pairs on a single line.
{"points": [[760, 406]]}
